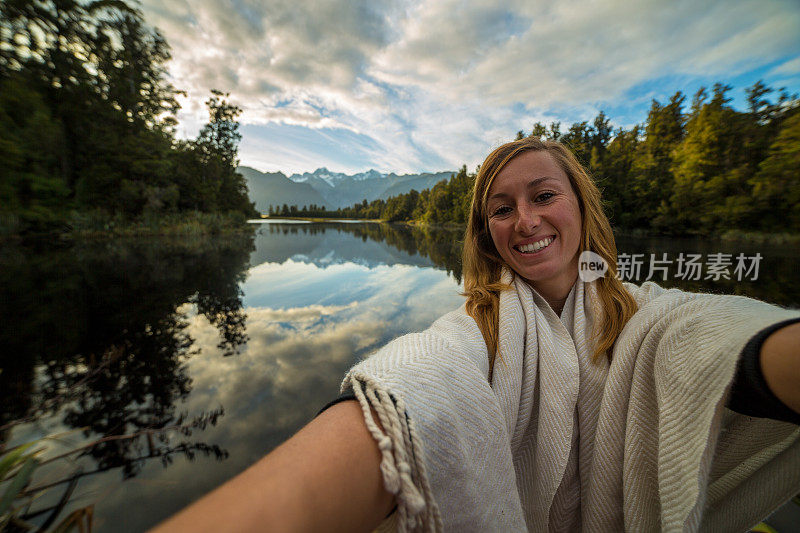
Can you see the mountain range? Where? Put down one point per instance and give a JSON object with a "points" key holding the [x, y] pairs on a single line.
{"points": [[331, 189]]}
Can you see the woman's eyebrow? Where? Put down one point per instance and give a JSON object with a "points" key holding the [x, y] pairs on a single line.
{"points": [[531, 184]]}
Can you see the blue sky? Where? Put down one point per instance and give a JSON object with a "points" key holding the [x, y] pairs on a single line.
{"points": [[430, 85]]}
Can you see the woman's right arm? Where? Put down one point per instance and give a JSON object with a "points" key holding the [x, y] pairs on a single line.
{"points": [[325, 478], [780, 364]]}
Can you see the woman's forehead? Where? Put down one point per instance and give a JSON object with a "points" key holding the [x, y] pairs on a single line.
{"points": [[529, 169]]}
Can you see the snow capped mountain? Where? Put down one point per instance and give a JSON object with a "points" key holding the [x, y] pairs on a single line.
{"points": [[335, 178], [331, 178], [370, 174], [332, 189]]}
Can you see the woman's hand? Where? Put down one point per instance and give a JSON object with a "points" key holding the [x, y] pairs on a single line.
{"points": [[780, 364], [325, 478]]}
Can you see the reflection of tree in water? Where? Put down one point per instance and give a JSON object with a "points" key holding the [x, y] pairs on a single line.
{"points": [[97, 333], [776, 271], [444, 246], [441, 245]]}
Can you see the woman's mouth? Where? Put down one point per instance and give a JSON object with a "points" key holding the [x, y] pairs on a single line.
{"points": [[535, 246]]}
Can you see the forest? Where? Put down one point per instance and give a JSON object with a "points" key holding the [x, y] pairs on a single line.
{"points": [[708, 169], [87, 125]]}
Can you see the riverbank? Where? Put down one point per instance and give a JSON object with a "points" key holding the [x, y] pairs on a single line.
{"points": [[761, 238], [753, 237], [325, 219], [100, 225], [410, 223], [750, 237]]}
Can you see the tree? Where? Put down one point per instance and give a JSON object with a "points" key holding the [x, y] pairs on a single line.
{"points": [[555, 131], [539, 131], [601, 132], [711, 190], [579, 139], [615, 178], [776, 187], [220, 136], [97, 96], [216, 147], [31, 186], [652, 179]]}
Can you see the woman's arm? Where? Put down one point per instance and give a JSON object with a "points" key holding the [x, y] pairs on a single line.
{"points": [[780, 364], [325, 478]]}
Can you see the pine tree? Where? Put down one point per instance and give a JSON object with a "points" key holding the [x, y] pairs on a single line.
{"points": [[776, 186]]}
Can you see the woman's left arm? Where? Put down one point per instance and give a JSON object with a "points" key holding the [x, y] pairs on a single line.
{"points": [[780, 364]]}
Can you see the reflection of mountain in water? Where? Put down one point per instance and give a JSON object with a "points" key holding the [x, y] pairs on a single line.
{"points": [[367, 244]]}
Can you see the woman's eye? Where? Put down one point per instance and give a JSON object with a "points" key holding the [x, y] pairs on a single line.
{"points": [[544, 196], [501, 211]]}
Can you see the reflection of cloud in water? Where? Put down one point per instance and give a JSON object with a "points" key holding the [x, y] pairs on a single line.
{"points": [[297, 355], [306, 326], [293, 358], [292, 284]]}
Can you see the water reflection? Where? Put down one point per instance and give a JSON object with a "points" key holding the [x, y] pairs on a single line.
{"points": [[94, 338], [131, 336], [381, 244], [389, 244], [774, 283]]}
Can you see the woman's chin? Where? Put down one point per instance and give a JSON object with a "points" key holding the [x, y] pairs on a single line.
{"points": [[550, 281]]}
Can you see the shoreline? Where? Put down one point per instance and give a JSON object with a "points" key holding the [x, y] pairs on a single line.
{"points": [[92, 226], [210, 224], [343, 220], [752, 237]]}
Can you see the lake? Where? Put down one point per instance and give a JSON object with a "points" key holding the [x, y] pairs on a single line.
{"points": [[237, 341]]}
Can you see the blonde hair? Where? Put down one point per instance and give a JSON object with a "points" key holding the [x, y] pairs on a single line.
{"points": [[483, 264]]}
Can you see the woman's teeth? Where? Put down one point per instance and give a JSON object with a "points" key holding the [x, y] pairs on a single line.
{"points": [[536, 246]]}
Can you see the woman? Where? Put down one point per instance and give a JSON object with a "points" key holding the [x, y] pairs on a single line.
{"points": [[546, 402]]}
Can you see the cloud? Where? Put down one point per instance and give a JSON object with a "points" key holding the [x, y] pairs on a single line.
{"points": [[574, 52], [433, 84], [264, 50], [789, 67]]}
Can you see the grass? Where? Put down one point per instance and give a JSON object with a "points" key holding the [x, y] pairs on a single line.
{"points": [[17, 468]]}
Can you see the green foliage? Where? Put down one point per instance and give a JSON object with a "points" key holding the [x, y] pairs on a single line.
{"points": [[17, 468], [651, 170], [30, 147], [87, 120], [776, 185]]}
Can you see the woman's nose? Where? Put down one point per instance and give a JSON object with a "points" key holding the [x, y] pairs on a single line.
{"points": [[527, 220]]}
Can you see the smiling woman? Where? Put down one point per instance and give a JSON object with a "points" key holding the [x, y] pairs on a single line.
{"points": [[537, 165], [535, 223], [546, 402]]}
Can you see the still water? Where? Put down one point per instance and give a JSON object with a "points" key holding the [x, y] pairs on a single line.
{"points": [[235, 342]]}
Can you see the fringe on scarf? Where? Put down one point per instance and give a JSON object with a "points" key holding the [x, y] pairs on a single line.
{"points": [[402, 464]]}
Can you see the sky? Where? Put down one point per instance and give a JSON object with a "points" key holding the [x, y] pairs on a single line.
{"points": [[412, 86]]}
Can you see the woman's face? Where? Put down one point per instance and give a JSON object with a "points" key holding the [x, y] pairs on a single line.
{"points": [[535, 222]]}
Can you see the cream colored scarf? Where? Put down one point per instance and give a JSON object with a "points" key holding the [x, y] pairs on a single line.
{"points": [[557, 442]]}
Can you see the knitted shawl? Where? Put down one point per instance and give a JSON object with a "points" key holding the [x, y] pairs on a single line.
{"points": [[643, 442]]}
